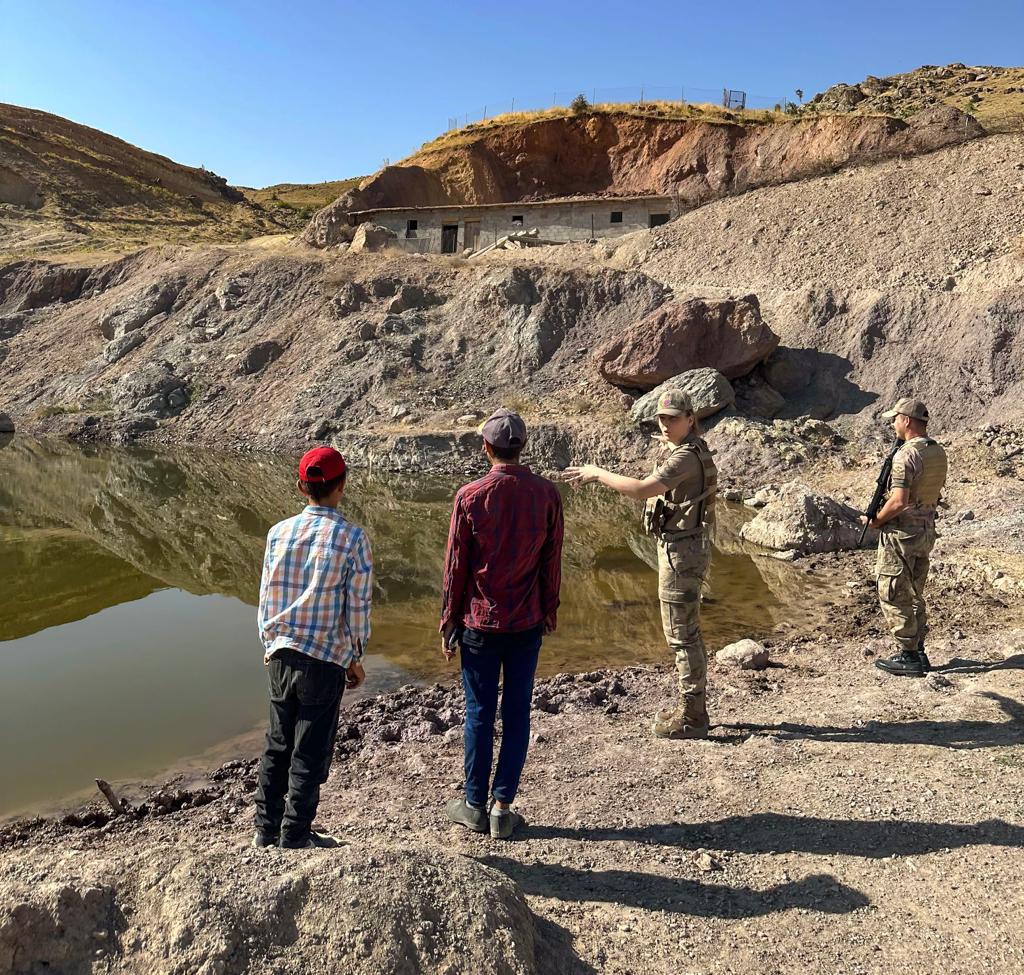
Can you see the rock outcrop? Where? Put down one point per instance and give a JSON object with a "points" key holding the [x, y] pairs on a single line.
{"points": [[623, 154], [726, 334]]}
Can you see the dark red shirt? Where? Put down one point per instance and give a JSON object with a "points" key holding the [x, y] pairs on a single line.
{"points": [[503, 568]]}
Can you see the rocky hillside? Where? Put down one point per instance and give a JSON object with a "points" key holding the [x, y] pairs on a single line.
{"points": [[994, 96], [621, 154], [64, 186], [904, 276]]}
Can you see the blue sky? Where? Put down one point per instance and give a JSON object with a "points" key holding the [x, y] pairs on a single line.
{"points": [[307, 91]]}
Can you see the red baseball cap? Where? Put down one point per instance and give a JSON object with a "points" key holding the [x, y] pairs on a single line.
{"points": [[321, 464]]}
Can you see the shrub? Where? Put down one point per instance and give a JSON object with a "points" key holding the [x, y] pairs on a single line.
{"points": [[579, 104]]}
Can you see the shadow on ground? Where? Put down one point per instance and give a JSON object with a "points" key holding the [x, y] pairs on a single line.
{"points": [[943, 734], [628, 888], [779, 833]]}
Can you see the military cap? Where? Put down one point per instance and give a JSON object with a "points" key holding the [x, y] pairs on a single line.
{"points": [[674, 402], [908, 407]]}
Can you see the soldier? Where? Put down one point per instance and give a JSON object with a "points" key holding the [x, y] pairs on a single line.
{"points": [[907, 533], [678, 513]]}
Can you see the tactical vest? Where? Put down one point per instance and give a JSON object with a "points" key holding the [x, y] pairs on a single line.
{"points": [[683, 514], [926, 491]]}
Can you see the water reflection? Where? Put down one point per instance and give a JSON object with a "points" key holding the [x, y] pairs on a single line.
{"points": [[127, 579]]}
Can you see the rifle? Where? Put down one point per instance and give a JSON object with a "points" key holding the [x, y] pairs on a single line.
{"points": [[881, 486]]}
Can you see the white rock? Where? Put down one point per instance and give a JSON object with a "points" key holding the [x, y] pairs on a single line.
{"points": [[744, 655]]}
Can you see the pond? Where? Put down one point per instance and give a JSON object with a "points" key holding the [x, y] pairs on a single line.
{"points": [[128, 581]]}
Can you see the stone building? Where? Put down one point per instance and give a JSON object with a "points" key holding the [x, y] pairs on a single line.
{"points": [[455, 229]]}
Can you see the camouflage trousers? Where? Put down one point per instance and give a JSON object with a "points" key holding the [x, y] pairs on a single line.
{"points": [[901, 572], [682, 567]]}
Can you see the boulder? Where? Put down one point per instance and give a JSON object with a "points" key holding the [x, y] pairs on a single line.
{"points": [[802, 521], [725, 334], [154, 389], [743, 655], [6, 423], [708, 388], [370, 237]]}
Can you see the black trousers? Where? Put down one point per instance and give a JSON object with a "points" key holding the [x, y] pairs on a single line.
{"points": [[305, 698]]}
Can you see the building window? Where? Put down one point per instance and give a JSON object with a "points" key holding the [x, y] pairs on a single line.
{"points": [[657, 219], [616, 216], [517, 220], [411, 226]]}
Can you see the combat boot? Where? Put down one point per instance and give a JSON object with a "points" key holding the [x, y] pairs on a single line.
{"points": [[690, 721], [924, 658], [906, 663]]}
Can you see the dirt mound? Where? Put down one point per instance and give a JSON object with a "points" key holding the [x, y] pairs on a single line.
{"points": [[995, 96], [65, 185], [225, 911], [620, 154]]}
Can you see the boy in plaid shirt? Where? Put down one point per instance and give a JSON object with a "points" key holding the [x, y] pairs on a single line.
{"points": [[314, 622]]}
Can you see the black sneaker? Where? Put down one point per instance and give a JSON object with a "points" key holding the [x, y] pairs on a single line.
{"points": [[314, 841], [262, 840], [462, 813], [907, 663]]}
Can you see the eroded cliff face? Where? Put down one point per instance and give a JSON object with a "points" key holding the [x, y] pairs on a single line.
{"points": [[624, 155]]}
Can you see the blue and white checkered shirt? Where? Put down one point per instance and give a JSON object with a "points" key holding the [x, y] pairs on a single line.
{"points": [[316, 587]]}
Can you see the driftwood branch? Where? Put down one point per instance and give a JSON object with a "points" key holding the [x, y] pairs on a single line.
{"points": [[121, 807]]}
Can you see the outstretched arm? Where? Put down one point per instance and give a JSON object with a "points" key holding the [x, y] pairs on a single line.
{"points": [[631, 487]]}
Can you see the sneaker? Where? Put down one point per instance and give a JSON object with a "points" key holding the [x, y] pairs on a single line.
{"points": [[462, 813], [262, 840], [906, 663], [504, 822], [314, 841]]}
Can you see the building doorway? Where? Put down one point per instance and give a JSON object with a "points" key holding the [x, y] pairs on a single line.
{"points": [[657, 219], [471, 237], [449, 238]]}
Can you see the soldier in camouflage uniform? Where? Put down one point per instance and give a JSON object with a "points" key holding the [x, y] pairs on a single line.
{"points": [[907, 533], [679, 512]]}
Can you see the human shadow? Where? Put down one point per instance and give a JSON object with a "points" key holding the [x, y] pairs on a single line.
{"points": [[780, 833], [681, 895], [960, 665], [960, 735]]}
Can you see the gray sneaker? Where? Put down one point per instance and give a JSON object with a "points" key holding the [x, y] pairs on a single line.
{"points": [[504, 822], [462, 813]]}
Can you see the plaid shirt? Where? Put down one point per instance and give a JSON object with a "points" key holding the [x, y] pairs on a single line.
{"points": [[503, 568], [316, 587]]}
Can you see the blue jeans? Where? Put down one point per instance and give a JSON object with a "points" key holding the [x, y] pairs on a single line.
{"points": [[485, 657]]}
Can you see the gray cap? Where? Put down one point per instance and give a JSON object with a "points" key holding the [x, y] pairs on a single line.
{"points": [[908, 407], [505, 430]]}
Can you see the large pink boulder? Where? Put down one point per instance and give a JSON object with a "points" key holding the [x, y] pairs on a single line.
{"points": [[726, 334]]}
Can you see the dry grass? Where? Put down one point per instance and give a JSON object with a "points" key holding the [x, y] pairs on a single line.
{"points": [[681, 111], [301, 196]]}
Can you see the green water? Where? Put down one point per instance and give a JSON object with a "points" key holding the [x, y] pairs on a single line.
{"points": [[128, 580]]}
